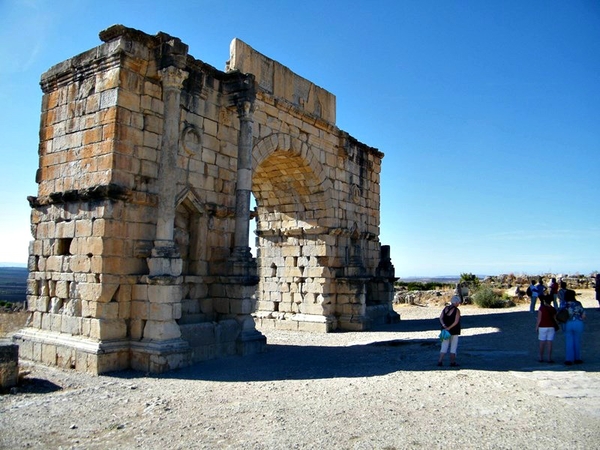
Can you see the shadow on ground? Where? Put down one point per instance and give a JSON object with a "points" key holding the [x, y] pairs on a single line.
{"points": [[36, 386], [507, 342]]}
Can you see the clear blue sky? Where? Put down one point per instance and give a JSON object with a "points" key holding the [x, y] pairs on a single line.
{"points": [[488, 112]]}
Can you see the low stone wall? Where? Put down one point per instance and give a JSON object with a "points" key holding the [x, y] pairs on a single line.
{"points": [[435, 297], [9, 365]]}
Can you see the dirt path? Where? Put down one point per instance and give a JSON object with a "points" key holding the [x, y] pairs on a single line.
{"points": [[379, 390]]}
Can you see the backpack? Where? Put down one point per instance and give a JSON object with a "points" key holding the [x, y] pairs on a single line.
{"points": [[562, 316], [529, 291]]}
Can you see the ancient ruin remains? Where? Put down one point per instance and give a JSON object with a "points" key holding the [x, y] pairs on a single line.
{"points": [[148, 159]]}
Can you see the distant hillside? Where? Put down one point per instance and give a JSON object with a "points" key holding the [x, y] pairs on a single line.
{"points": [[13, 284], [440, 279]]}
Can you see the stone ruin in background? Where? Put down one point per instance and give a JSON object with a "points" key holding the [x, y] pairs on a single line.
{"points": [[148, 159]]}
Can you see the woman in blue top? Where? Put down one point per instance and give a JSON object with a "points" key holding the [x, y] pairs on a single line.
{"points": [[573, 329]]}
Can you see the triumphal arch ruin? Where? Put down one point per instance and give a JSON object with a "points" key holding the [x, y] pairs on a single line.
{"points": [[149, 158]]}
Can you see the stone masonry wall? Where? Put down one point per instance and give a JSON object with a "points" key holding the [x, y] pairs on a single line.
{"points": [[317, 195], [148, 158]]}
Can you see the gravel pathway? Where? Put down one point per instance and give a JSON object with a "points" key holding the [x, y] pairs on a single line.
{"points": [[374, 390]]}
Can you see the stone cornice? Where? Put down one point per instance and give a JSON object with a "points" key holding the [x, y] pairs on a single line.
{"points": [[117, 31], [115, 192], [349, 140], [78, 69], [104, 192], [318, 231]]}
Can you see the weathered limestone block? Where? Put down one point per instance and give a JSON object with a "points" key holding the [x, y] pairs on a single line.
{"points": [[164, 293], [124, 309], [72, 307], [71, 325], [103, 310], [9, 365], [36, 320], [242, 306], [160, 311], [97, 292], [107, 329], [161, 330], [56, 322], [48, 354], [165, 266], [65, 357], [140, 309], [62, 289], [56, 305], [136, 328]]}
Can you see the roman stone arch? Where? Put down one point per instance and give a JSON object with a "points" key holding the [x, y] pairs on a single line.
{"points": [[290, 192], [140, 254], [282, 142]]}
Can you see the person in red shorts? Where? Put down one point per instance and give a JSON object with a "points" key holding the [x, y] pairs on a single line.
{"points": [[546, 327]]}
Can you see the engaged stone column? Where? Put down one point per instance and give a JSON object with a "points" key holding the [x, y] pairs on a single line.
{"points": [[165, 258], [244, 181], [165, 264]]}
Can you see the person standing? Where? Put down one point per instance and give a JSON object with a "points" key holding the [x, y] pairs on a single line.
{"points": [[450, 321], [461, 291], [573, 329], [533, 295], [598, 288], [561, 294], [554, 292], [546, 326], [541, 289]]}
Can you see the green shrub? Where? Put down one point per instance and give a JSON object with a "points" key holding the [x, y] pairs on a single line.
{"points": [[423, 286], [470, 280], [486, 297]]}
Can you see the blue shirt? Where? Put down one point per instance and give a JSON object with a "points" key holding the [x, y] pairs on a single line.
{"points": [[540, 288]]}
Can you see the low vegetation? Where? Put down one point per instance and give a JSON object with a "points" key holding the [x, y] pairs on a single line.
{"points": [[487, 297], [470, 280], [423, 285]]}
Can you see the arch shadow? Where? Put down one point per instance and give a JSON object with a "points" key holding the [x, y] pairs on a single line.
{"points": [[507, 342]]}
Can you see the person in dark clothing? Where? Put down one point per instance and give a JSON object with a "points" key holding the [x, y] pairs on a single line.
{"points": [[450, 321], [598, 288], [553, 288]]}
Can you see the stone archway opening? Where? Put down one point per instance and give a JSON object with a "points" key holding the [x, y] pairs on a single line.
{"points": [[290, 203]]}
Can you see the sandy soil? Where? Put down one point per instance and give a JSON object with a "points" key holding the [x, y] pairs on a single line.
{"points": [[375, 390]]}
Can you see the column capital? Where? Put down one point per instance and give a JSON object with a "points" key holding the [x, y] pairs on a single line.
{"points": [[172, 77], [245, 109]]}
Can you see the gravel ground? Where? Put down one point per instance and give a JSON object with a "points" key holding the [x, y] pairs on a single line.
{"points": [[373, 390]]}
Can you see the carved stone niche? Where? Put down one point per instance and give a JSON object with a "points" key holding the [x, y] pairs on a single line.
{"points": [[191, 140]]}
